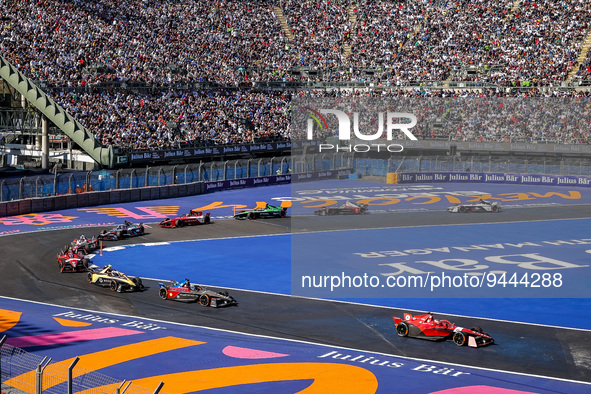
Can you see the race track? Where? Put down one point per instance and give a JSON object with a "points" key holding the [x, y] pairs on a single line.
{"points": [[553, 350]]}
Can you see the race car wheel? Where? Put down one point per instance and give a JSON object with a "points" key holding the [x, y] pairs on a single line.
{"points": [[323, 213], [282, 214], [460, 338], [251, 216], [114, 285], [204, 300], [84, 263], [163, 294], [462, 209], [402, 329], [89, 277], [119, 234], [142, 231], [495, 209], [180, 223]]}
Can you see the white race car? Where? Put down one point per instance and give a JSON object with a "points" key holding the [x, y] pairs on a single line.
{"points": [[480, 206]]}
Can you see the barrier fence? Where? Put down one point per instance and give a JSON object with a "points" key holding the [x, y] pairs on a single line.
{"points": [[23, 372], [479, 164], [134, 184], [69, 183]]}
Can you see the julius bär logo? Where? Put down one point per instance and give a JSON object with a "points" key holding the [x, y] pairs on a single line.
{"points": [[344, 129]]}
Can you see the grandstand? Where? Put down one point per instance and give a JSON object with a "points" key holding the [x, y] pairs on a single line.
{"points": [[125, 78]]}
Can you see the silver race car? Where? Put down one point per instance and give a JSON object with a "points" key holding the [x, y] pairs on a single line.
{"points": [[480, 206]]}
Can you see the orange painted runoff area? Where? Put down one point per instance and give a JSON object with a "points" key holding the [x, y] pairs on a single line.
{"points": [[56, 373], [8, 319], [72, 323], [327, 378]]}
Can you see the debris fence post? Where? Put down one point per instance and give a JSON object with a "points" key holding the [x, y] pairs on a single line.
{"points": [[40, 368], [70, 368]]}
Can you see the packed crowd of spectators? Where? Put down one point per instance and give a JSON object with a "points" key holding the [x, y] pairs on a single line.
{"points": [[73, 43], [179, 118], [319, 29], [76, 46]]}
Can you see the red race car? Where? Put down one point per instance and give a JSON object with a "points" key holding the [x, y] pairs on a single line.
{"points": [[70, 261], [187, 219], [427, 327]]}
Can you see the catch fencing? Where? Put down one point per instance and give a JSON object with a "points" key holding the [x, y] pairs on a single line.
{"points": [[479, 164], [24, 372], [69, 183]]}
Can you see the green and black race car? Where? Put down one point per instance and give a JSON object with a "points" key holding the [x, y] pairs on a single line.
{"points": [[264, 210]]}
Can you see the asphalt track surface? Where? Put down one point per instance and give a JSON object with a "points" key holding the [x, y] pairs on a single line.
{"points": [[29, 258]]}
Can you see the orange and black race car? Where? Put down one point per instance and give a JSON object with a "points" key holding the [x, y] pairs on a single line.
{"points": [[188, 219], [427, 327]]}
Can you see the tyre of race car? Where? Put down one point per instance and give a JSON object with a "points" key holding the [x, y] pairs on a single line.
{"points": [[323, 213], [495, 208], [89, 277], [84, 263], [163, 293], [402, 329], [180, 223], [460, 338], [114, 285], [142, 230], [204, 300], [251, 216], [119, 234], [330, 212], [207, 219], [87, 248], [462, 209], [61, 265], [283, 213]]}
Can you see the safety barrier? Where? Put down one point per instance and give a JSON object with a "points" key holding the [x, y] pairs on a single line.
{"points": [[117, 196], [24, 372]]}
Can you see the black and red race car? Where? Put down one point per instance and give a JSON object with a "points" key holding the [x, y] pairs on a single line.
{"points": [[70, 261], [188, 219], [190, 292], [127, 229], [427, 327], [348, 208]]}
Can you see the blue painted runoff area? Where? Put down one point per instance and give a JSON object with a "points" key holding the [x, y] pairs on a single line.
{"points": [[538, 270]]}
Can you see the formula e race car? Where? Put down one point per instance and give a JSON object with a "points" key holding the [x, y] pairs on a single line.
{"points": [[348, 208], [264, 210], [189, 292], [188, 219], [126, 229], [427, 327], [480, 206], [84, 245], [116, 280], [71, 261]]}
